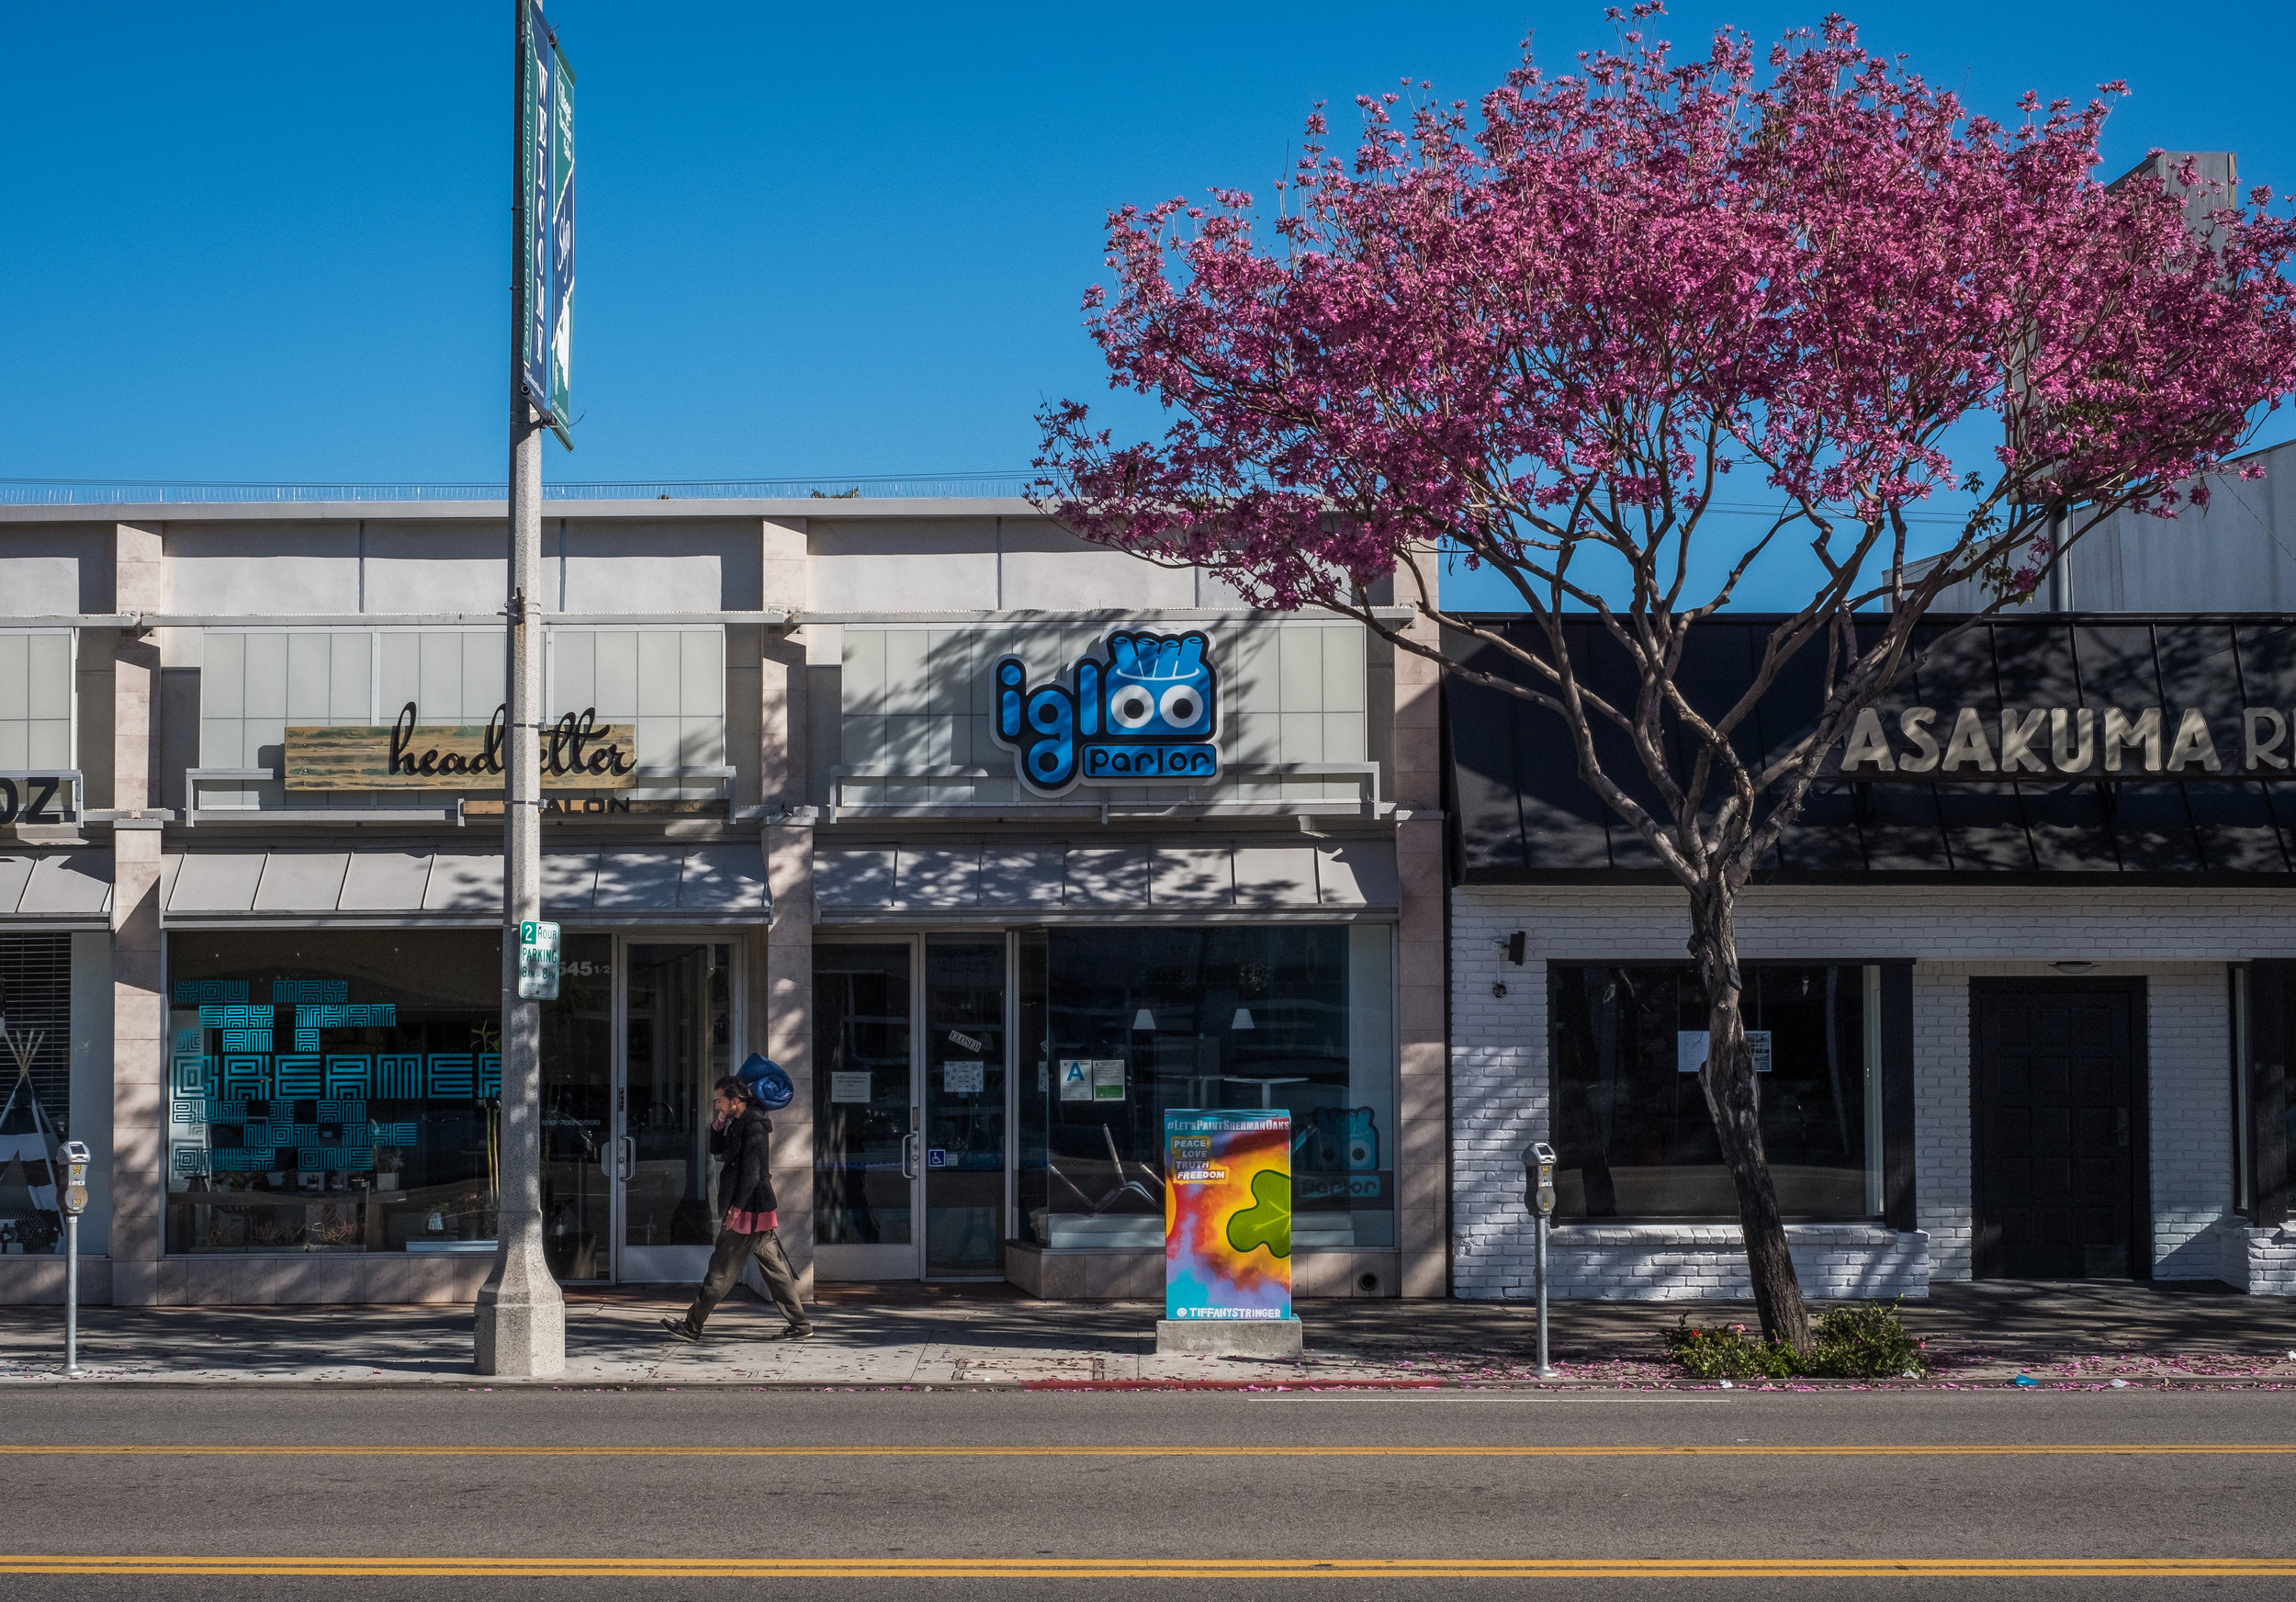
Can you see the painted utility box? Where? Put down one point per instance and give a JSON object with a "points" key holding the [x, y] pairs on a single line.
{"points": [[1227, 1215]]}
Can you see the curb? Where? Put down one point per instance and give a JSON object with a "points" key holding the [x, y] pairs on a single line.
{"points": [[1303, 1387]]}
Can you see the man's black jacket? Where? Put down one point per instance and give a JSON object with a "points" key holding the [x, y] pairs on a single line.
{"points": [[744, 1145]]}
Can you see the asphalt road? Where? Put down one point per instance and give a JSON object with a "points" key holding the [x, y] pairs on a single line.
{"points": [[236, 1492]]}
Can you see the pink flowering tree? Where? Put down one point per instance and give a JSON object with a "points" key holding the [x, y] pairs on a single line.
{"points": [[1539, 339]]}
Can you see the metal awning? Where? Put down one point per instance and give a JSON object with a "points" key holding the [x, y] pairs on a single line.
{"points": [[1002, 880], [722, 882], [55, 889]]}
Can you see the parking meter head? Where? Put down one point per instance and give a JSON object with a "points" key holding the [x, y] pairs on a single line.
{"points": [[74, 1190], [1538, 1178]]}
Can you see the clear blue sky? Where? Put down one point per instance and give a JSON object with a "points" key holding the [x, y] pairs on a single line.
{"points": [[268, 241]]}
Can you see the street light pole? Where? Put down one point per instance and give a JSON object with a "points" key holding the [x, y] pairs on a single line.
{"points": [[521, 1326]]}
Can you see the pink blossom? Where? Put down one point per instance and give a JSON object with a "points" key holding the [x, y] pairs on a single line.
{"points": [[1556, 327]]}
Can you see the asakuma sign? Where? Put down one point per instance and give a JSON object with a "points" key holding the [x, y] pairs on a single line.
{"points": [[2070, 743], [1147, 715], [578, 753]]}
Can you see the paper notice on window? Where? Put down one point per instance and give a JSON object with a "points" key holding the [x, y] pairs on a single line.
{"points": [[962, 1078], [1690, 1049], [1076, 1080], [1107, 1079], [853, 1086]]}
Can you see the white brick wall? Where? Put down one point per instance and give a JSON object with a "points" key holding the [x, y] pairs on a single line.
{"points": [[2260, 1261], [2179, 940], [1671, 1262]]}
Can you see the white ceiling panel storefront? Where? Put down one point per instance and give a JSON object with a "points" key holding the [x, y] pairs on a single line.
{"points": [[722, 882], [1007, 880]]}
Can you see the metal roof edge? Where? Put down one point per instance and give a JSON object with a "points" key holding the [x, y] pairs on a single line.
{"points": [[880, 508]]}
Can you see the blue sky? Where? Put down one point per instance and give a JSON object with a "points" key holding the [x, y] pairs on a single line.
{"points": [[268, 241]]}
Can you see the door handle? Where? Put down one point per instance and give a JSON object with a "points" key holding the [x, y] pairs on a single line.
{"points": [[908, 1154], [625, 1151]]}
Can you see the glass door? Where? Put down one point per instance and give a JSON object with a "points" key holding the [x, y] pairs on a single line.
{"points": [[909, 1109], [578, 1112], [866, 1111], [676, 1041], [964, 1108], [640, 1032]]}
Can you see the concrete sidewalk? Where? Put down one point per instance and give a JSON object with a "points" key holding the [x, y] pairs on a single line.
{"points": [[2087, 1333]]}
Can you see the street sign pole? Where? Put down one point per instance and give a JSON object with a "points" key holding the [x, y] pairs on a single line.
{"points": [[521, 1326]]}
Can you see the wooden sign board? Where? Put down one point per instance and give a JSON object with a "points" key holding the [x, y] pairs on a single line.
{"points": [[578, 753]]}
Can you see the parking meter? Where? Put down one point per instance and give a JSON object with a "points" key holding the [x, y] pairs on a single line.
{"points": [[75, 1192], [1538, 1195], [72, 1196], [1538, 1178]]}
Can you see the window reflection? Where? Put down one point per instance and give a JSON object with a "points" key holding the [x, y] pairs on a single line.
{"points": [[679, 1043], [333, 1092], [861, 1107], [1119, 1026], [1630, 1121]]}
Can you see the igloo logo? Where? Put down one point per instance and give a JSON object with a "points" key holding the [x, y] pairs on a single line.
{"points": [[1147, 715]]}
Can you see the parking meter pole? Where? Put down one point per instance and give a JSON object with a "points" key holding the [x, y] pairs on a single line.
{"points": [[72, 1199], [1546, 1369], [70, 1293], [1538, 1195]]}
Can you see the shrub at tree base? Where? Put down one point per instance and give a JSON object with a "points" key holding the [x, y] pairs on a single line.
{"points": [[1864, 1342]]}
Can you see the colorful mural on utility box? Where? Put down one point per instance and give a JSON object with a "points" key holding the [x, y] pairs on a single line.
{"points": [[1227, 1214]]}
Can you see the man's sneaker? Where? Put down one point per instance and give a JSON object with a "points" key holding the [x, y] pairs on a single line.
{"points": [[682, 1329], [794, 1332]]}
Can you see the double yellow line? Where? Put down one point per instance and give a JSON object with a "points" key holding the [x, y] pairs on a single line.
{"points": [[625, 1449], [1197, 1569]]}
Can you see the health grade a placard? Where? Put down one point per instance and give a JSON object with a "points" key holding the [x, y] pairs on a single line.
{"points": [[1227, 1215]]}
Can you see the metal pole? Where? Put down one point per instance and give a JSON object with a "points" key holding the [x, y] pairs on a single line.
{"points": [[1546, 1369], [71, 1293], [521, 1326]]}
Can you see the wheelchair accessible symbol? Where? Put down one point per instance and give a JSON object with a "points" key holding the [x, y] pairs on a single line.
{"points": [[1145, 716]]}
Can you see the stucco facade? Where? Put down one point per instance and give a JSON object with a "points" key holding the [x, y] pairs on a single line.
{"points": [[803, 689]]}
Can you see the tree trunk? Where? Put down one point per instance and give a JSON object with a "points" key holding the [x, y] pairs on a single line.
{"points": [[1734, 1099]]}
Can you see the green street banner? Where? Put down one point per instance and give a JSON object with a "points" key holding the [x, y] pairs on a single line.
{"points": [[545, 318]]}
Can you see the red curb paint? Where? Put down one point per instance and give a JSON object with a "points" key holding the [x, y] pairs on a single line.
{"points": [[1235, 1385]]}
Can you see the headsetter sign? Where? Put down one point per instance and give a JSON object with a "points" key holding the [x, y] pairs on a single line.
{"points": [[578, 753], [2070, 744]]}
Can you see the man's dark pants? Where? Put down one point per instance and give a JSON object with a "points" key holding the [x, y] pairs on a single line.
{"points": [[733, 1253]]}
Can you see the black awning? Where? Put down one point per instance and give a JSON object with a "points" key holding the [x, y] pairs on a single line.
{"points": [[1520, 813]]}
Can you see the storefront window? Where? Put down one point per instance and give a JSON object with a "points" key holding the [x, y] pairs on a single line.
{"points": [[35, 1085], [333, 1091], [1118, 1026], [1631, 1120]]}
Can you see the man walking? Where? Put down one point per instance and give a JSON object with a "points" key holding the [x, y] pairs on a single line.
{"points": [[741, 1136]]}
